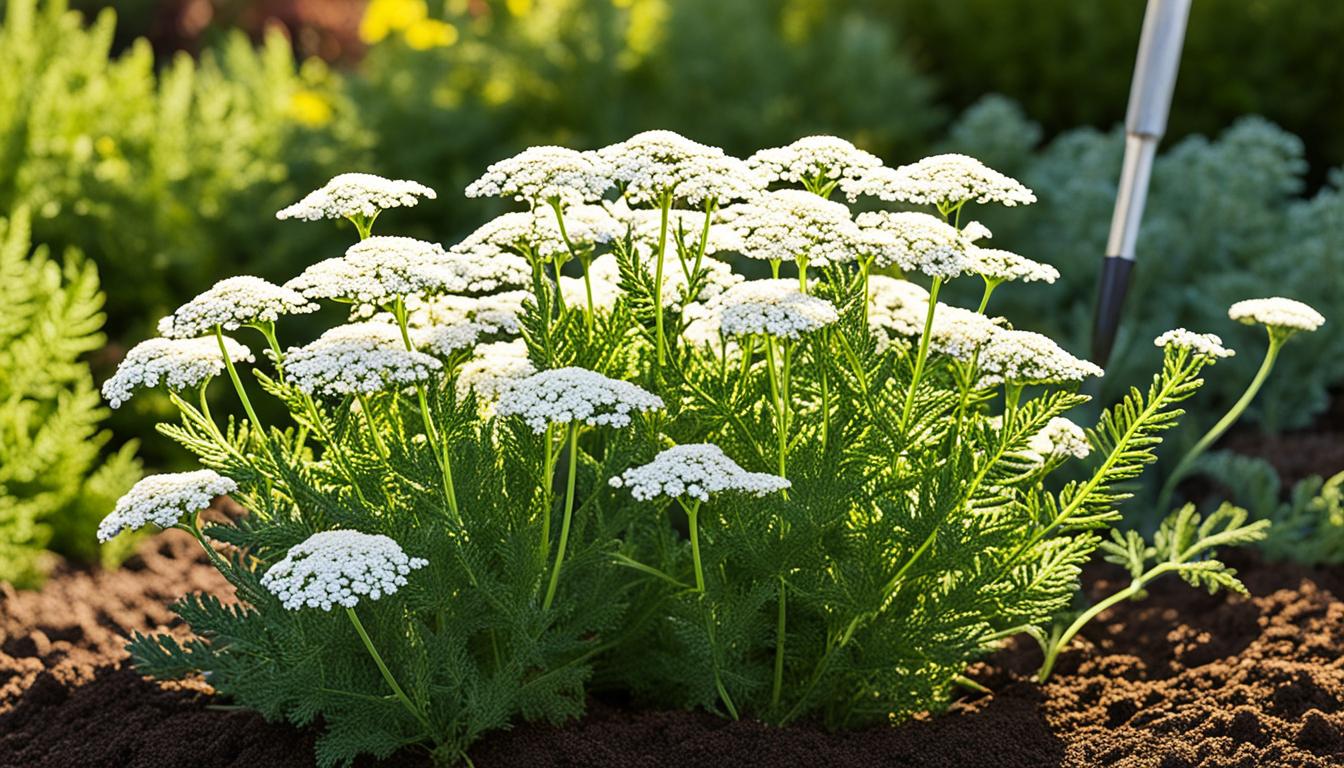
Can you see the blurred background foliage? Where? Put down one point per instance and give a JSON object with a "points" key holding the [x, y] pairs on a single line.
{"points": [[157, 137]]}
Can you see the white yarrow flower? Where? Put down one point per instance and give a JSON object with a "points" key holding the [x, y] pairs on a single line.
{"points": [[164, 500], [566, 395], [1277, 313], [232, 303], [544, 175], [960, 333], [334, 568], [446, 340], [896, 308], [358, 358], [493, 369], [775, 308], [1061, 437], [654, 164], [1024, 357], [1207, 344], [356, 194], [178, 364], [696, 471], [914, 242], [1005, 266], [790, 224], [827, 159], [945, 181]]}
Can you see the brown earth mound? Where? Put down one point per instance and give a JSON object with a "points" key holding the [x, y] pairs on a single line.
{"points": [[1183, 679]]}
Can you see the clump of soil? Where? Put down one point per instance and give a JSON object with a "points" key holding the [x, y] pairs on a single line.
{"points": [[1182, 679]]}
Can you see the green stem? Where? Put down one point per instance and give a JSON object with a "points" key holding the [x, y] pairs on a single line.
{"points": [[548, 490], [258, 428], [802, 274], [1058, 644], [776, 397], [569, 512], [437, 446], [387, 673], [665, 206], [990, 285], [1169, 487], [364, 224], [373, 426], [693, 515], [922, 355]]}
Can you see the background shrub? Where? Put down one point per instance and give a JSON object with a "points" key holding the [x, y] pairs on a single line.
{"points": [[54, 488], [1225, 221]]}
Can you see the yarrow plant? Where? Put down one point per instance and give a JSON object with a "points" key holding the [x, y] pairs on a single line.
{"points": [[816, 496]]}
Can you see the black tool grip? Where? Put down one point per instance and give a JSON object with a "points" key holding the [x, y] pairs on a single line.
{"points": [[1111, 290]]}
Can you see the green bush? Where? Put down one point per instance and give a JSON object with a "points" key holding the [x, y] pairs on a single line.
{"points": [[1307, 527], [1225, 218], [142, 170], [54, 487], [814, 497]]}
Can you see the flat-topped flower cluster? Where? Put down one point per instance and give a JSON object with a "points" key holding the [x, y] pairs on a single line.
{"points": [[592, 434]]}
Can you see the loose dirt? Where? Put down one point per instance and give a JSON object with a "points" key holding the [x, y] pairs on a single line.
{"points": [[1183, 679]]}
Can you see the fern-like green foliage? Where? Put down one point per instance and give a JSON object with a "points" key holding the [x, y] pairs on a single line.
{"points": [[145, 168], [913, 517], [1307, 527], [54, 487]]}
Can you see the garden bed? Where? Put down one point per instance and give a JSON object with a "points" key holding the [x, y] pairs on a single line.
{"points": [[1183, 679]]}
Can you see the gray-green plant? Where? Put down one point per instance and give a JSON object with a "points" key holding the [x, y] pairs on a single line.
{"points": [[576, 447], [55, 482], [1225, 218]]}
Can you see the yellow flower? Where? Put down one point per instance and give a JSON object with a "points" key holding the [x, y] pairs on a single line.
{"points": [[430, 33], [310, 108], [518, 8], [386, 16]]}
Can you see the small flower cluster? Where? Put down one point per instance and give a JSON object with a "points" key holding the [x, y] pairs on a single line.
{"points": [[357, 358], [447, 340], [944, 181], [339, 567], [377, 270], [1277, 312], [565, 395], [790, 224], [356, 194], [960, 333], [178, 364], [774, 308], [232, 303], [914, 242], [697, 471], [1061, 437], [1207, 344], [493, 313], [493, 369], [544, 175], [895, 308], [164, 500], [1005, 266], [1024, 357], [814, 158], [654, 165]]}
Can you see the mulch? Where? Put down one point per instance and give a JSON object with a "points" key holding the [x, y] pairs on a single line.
{"points": [[1182, 679]]}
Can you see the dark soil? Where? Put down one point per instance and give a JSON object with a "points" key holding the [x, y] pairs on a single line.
{"points": [[1183, 679]]}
